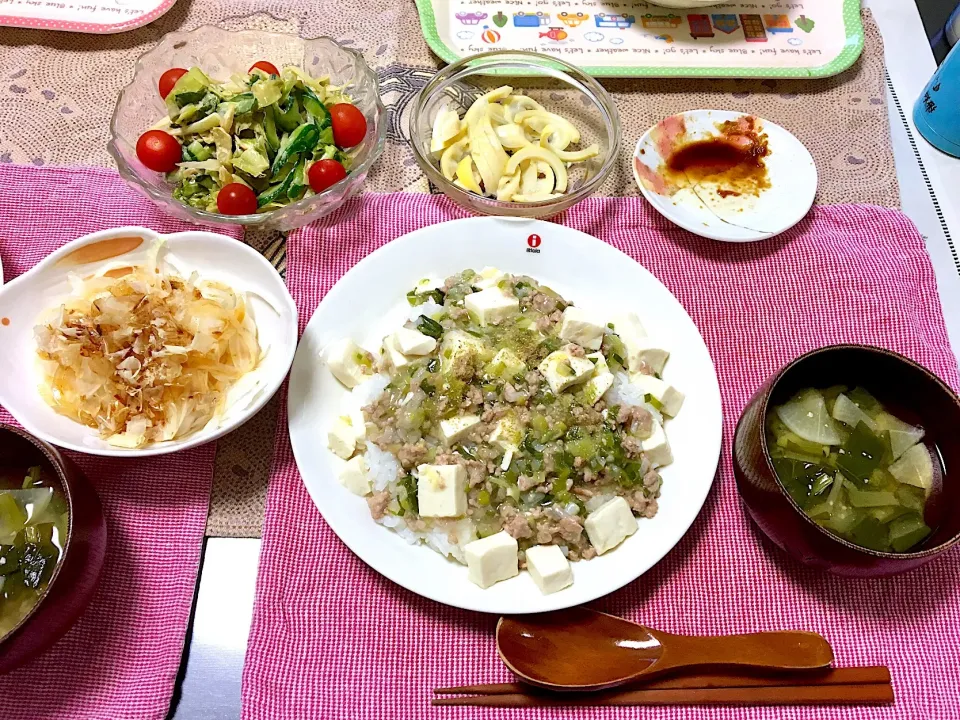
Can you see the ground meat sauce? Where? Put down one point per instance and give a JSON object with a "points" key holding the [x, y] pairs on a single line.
{"points": [[567, 450]]}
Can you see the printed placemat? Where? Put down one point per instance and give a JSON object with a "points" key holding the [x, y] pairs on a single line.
{"points": [[817, 38], [333, 639]]}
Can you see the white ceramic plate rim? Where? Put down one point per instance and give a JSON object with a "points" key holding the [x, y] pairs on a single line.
{"points": [[697, 229], [332, 499], [271, 384]]}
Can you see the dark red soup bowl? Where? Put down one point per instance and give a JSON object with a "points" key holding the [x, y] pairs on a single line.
{"points": [[75, 577], [912, 393]]}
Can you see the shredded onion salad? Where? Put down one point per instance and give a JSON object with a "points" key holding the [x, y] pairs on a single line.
{"points": [[507, 146], [146, 357]]}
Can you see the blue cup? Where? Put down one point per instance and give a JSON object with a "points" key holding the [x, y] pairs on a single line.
{"points": [[937, 112]]}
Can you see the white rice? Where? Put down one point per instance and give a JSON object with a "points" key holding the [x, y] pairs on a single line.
{"points": [[383, 466], [438, 538], [624, 392], [369, 390], [385, 470]]}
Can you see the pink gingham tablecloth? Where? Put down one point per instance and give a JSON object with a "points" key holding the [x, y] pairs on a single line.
{"points": [[120, 660], [333, 640]]}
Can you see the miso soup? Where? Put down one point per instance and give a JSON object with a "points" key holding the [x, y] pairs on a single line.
{"points": [[853, 467], [33, 532]]}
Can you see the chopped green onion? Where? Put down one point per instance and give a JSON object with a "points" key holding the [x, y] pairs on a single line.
{"points": [[429, 327]]}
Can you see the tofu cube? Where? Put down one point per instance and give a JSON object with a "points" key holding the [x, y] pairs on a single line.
{"points": [[646, 353], [457, 344], [610, 524], [454, 429], [667, 396], [562, 370], [505, 365], [600, 381], [491, 306], [392, 356], [349, 363], [642, 351], [487, 278], [413, 342], [580, 327], [628, 324], [549, 569], [441, 490], [508, 432], [355, 477], [492, 559], [656, 447], [346, 431]]}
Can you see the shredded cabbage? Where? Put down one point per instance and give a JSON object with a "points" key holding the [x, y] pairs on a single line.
{"points": [[146, 357]]}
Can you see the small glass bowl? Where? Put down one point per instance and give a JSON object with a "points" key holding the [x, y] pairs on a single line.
{"points": [[221, 53], [560, 87]]}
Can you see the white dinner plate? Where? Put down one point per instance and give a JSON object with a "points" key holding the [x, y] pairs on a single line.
{"points": [[791, 171], [369, 302], [212, 257]]}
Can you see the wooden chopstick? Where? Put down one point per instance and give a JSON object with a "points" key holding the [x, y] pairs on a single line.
{"points": [[835, 676], [872, 693]]}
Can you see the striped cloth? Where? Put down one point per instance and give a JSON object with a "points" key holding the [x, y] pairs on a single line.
{"points": [[332, 639], [120, 660]]}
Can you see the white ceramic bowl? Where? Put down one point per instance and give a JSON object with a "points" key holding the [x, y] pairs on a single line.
{"points": [[212, 256], [369, 301]]}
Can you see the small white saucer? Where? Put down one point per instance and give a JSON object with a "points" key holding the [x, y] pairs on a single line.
{"points": [[791, 172]]}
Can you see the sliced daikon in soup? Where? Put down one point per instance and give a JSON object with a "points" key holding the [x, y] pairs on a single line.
{"points": [[806, 415], [903, 435], [914, 468], [847, 411]]}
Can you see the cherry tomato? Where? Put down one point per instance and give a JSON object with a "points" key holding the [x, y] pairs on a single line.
{"points": [[236, 199], [325, 173], [159, 151], [349, 125], [267, 67], [169, 79]]}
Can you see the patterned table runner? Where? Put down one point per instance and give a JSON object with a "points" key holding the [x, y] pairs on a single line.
{"points": [[48, 115]]}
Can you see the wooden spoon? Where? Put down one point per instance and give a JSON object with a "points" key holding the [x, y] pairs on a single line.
{"points": [[581, 649]]}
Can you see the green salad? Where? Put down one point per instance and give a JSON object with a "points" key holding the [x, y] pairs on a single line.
{"points": [[262, 132]]}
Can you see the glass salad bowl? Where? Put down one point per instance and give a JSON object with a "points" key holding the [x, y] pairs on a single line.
{"points": [[221, 53], [561, 88]]}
